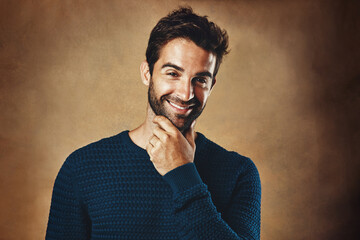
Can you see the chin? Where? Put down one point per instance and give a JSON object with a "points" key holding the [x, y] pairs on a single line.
{"points": [[182, 126]]}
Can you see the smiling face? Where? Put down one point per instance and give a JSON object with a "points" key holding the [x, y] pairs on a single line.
{"points": [[181, 82]]}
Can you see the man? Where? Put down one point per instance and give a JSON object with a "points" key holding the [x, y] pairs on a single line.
{"points": [[162, 180]]}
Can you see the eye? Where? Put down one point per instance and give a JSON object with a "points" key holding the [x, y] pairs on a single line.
{"points": [[200, 80], [173, 74]]}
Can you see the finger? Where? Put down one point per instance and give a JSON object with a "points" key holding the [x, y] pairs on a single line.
{"points": [[153, 140], [149, 148], [165, 124], [161, 134], [190, 134]]}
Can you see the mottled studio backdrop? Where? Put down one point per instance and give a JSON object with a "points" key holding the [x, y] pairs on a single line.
{"points": [[287, 96]]}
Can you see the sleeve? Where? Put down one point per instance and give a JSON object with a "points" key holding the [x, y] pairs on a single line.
{"points": [[68, 218], [198, 217]]}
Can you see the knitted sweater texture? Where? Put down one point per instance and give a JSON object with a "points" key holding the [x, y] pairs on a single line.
{"points": [[110, 190]]}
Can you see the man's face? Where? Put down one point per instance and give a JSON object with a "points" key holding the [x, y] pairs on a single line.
{"points": [[181, 82]]}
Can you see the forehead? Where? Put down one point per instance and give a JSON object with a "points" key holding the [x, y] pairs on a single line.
{"points": [[186, 54]]}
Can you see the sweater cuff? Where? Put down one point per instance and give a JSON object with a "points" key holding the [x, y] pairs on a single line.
{"points": [[182, 178]]}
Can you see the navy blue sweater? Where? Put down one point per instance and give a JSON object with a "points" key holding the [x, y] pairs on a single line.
{"points": [[110, 190]]}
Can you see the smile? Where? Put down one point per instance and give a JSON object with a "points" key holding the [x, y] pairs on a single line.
{"points": [[180, 107]]}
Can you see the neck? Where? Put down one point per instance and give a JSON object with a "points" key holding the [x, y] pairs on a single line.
{"points": [[141, 135]]}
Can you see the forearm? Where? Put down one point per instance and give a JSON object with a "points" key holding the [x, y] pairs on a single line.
{"points": [[196, 214]]}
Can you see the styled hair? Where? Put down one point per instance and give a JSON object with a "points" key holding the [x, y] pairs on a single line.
{"points": [[184, 23]]}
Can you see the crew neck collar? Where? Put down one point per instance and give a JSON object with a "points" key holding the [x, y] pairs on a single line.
{"points": [[199, 141]]}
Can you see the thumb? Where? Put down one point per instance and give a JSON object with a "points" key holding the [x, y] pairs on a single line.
{"points": [[190, 134]]}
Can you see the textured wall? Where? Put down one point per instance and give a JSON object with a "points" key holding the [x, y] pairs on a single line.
{"points": [[287, 96]]}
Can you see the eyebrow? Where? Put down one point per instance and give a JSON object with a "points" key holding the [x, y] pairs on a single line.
{"points": [[172, 66], [200, 74], [204, 74]]}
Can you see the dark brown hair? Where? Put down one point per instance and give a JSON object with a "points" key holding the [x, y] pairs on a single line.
{"points": [[184, 23]]}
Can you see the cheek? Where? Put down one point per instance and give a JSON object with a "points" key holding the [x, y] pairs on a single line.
{"points": [[163, 88], [202, 95]]}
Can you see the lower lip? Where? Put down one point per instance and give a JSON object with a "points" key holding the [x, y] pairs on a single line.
{"points": [[179, 110]]}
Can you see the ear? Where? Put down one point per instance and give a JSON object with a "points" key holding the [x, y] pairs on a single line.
{"points": [[145, 73]]}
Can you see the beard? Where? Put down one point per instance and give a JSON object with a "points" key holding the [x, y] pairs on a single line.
{"points": [[180, 121]]}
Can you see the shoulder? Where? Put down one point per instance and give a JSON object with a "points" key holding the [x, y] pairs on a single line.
{"points": [[95, 150], [245, 163], [216, 152], [225, 161]]}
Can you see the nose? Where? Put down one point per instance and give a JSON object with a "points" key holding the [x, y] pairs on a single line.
{"points": [[185, 90]]}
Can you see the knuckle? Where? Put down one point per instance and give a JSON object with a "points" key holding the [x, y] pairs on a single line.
{"points": [[166, 137], [176, 133], [152, 151]]}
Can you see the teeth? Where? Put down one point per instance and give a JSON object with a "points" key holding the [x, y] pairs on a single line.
{"points": [[177, 106]]}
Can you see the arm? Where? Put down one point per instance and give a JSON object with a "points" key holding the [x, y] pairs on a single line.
{"points": [[197, 216], [68, 218], [172, 155]]}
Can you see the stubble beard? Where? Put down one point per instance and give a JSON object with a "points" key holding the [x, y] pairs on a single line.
{"points": [[159, 109]]}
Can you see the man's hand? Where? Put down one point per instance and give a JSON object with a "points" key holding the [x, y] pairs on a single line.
{"points": [[168, 148]]}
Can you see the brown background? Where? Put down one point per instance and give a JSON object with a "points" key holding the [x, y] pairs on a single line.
{"points": [[287, 96]]}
